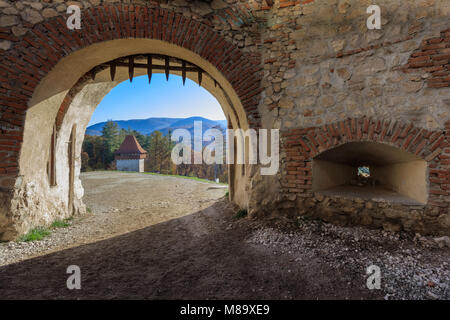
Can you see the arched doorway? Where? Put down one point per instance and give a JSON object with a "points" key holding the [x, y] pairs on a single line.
{"points": [[63, 91]]}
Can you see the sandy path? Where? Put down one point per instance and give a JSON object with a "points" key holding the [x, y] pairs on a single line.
{"points": [[123, 202], [120, 203]]}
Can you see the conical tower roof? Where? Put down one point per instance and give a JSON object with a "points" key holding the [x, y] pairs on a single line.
{"points": [[130, 146]]}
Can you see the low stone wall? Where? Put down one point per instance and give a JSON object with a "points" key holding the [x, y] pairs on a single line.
{"points": [[374, 213]]}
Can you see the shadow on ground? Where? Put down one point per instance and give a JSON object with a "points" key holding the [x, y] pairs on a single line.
{"points": [[200, 256]]}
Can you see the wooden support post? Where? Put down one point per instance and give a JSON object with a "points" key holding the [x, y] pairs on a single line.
{"points": [[52, 160]]}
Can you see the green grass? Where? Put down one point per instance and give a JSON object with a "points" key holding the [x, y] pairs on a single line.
{"points": [[60, 224], [35, 234], [40, 233], [89, 210], [227, 194], [241, 214]]}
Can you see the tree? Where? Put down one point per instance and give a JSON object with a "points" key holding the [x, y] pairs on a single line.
{"points": [[167, 146], [85, 162], [155, 151], [110, 135], [94, 147], [98, 153]]}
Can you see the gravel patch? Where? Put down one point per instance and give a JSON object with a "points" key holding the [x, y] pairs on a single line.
{"points": [[412, 267]]}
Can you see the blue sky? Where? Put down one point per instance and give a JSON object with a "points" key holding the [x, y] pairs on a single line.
{"points": [[139, 100]]}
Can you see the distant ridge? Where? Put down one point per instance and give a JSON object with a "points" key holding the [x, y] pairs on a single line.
{"points": [[147, 126]]}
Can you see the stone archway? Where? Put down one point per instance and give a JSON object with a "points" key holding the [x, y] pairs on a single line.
{"points": [[43, 69]]}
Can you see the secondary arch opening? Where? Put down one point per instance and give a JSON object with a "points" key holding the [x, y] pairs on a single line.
{"points": [[371, 171]]}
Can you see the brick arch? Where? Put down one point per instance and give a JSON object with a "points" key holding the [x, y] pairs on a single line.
{"points": [[300, 146], [418, 141], [24, 66]]}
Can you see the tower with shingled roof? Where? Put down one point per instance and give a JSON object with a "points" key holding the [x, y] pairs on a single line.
{"points": [[130, 156]]}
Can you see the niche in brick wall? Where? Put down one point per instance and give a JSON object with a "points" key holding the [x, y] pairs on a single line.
{"points": [[371, 171]]}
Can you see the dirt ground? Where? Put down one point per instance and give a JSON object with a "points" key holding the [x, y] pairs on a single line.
{"points": [[118, 203], [173, 238], [130, 201]]}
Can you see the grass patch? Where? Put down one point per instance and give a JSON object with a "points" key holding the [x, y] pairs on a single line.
{"points": [[35, 234], [40, 233], [227, 194], [60, 224], [241, 214], [89, 210]]}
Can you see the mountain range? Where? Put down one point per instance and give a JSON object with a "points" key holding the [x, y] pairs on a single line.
{"points": [[147, 126]]}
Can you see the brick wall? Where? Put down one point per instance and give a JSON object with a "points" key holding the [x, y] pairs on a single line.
{"points": [[432, 59]]}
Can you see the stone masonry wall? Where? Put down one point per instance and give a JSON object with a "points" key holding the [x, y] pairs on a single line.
{"points": [[325, 79], [329, 80]]}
